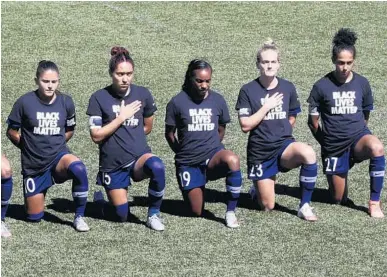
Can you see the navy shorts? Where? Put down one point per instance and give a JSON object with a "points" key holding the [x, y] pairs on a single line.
{"points": [[116, 179], [343, 163], [41, 182], [195, 176], [268, 168]]}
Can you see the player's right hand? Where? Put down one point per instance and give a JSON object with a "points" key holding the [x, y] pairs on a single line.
{"points": [[127, 111], [273, 101]]}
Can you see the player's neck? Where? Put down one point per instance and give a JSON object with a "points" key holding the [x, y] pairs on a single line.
{"points": [[268, 82], [344, 80]]}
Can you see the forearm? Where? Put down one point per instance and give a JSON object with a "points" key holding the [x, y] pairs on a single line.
{"points": [[172, 142], [15, 137], [316, 132], [249, 123], [98, 135], [69, 134], [292, 120]]}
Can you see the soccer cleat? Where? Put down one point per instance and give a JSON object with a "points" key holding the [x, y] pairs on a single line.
{"points": [[375, 210], [231, 220], [80, 225], [253, 193], [154, 222], [5, 233], [306, 212]]}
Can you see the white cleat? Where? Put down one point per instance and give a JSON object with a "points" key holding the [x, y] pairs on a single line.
{"points": [[154, 222], [80, 225], [306, 212], [5, 233], [231, 220]]}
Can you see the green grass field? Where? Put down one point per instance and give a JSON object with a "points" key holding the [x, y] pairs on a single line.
{"points": [[163, 38]]}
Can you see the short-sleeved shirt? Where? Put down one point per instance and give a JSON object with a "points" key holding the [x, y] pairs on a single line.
{"points": [[128, 142], [197, 125], [43, 128], [341, 109], [266, 139]]}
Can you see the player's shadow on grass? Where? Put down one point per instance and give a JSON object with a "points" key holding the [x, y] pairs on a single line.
{"points": [[176, 207], [93, 210], [319, 195], [16, 211]]}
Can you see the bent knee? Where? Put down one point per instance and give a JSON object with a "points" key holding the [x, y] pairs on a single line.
{"points": [[233, 162], [377, 149], [267, 205], [6, 172], [309, 155]]}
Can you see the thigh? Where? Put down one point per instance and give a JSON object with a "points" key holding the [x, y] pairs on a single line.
{"points": [[35, 203], [117, 196], [368, 146], [224, 159], [296, 154], [266, 189], [62, 166], [190, 177], [6, 171], [138, 169]]}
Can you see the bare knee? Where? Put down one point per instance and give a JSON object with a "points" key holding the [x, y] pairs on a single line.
{"points": [[377, 149], [6, 171], [267, 205], [309, 155], [233, 162]]}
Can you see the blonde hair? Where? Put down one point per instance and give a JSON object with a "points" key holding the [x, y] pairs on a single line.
{"points": [[269, 44]]}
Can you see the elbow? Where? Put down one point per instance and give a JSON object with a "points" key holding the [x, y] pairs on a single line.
{"points": [[96, 139], [245, 129]]}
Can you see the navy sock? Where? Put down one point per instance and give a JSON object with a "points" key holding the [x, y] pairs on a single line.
{"points": [[6, 192], [376, 169], [80, 188], [308, 177], [154, 167], [233, 186], [122, 211], [35, 217]]}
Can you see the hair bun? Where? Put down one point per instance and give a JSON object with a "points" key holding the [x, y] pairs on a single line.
{"points": [[269, 43], [117, 50], [345, 36]]}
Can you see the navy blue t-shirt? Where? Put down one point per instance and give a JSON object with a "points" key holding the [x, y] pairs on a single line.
{"points": [[128, 142], [341, 109], [197, 125], [266, 139], [43, 128]]}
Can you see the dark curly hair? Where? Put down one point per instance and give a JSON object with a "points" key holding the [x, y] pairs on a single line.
{"points": [[344, 39], [118, 55]]}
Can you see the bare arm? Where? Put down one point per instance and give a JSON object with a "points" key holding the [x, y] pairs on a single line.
{"points": [[314, 126], [148, 124], [366, 116], [14, 136], [69, 134], [98, 135], [250, 122], [221, 131], [171, 138], [292, 120]]}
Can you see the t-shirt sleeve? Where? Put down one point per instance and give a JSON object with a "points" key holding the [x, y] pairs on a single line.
{"points": [[95, 112], [314, 101], [368, 99], [150, 105], [294, 103], [243, 105], [70, 109], [170, 113], [15, 117], [224, 116]]}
